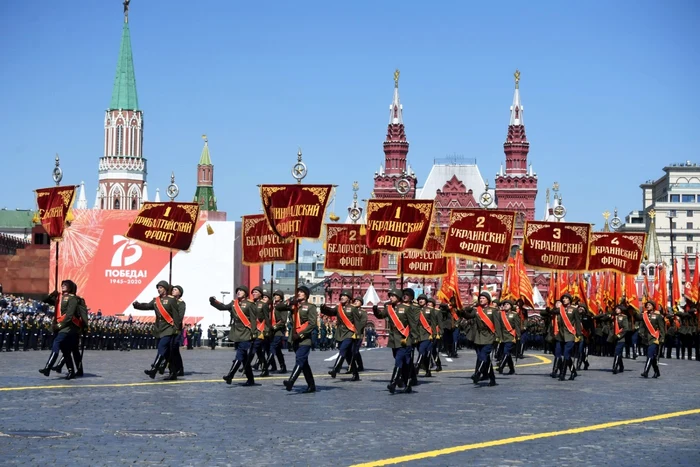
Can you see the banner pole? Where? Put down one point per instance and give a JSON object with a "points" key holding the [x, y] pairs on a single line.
{"points": [[170, 273], [55, 281]]}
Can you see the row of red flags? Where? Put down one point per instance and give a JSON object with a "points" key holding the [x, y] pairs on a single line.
{"points": [[604, 289]]}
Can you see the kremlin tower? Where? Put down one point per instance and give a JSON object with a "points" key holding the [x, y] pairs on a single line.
{"points": [[395, 151], [122, 167], [516, 188], [204, 195]]}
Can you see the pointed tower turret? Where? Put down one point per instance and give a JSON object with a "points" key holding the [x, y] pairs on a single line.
{"points": [[204, 195], [652, 252], [82, 200], [516, 188], [395, 152], [122, 168]]}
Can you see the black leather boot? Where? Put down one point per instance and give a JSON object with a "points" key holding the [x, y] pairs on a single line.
{"points": [[615, 359], [555, 368], [232, 372], [392, 383], [46, 371], [154, 367], [492, 375], [477, 372], [655, 365], [647, 365], [336, 366], [562, 371], [69, 367], [289, 384], [59, 366], [309, 377], [574, 373], [355, 374]]}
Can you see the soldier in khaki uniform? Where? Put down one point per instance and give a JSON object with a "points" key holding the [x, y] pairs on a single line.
{"points": [[487, 324], [425, 333], [399, 338], [620, 328], [360, 324], [176, 365], [167, 326], [346, 332], [567, 333], [510, 335], [304, 318], [655, 327], [278, 326], [437, 339], [243, 318], [261, 331]]}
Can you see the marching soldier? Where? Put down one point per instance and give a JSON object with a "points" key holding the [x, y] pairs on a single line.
{"points": [[620, 328], [567, 332], [243, 319], [399, 338], [304, 321], [510, 335], [261, 329], [425, 333], [360, 324], [437, 341], [212, 336], [278, 325], [487, 325], [167, 326], [177, 366], [587, 333], [345, 334], [655, 328]]}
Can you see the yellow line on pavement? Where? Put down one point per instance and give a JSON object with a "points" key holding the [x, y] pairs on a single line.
{"points": [[542, 361], [521, 439]]}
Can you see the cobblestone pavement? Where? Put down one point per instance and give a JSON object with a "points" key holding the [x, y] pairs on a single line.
{"points": [[207, 422]]}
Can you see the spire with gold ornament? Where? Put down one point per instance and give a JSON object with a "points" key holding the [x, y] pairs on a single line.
{"points": [[516, 187], [395, 152]]}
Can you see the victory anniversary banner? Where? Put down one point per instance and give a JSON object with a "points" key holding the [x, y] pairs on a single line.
{"points": [[615, 251], [262, 245], [295, 210], [428, 262], [54, 204], [346, 250], [480, 234], [168, 225], [395, 225], [561, 246]]}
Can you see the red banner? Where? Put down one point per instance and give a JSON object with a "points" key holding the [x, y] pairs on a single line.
{"points": [[295, 210], [621, 252], [480, 234], [428, 262], [262, 245], [168, 225], [54, 204], [395, 225], [561, 246], [346, 250]]}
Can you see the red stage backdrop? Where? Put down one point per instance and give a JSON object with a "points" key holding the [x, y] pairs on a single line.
{"points": [[54, 204], [262, 245], [168, 225], [480, 234], [428, 262], [295, 210], [561, 246], [395, 225], [616, 251], [346, 250]]}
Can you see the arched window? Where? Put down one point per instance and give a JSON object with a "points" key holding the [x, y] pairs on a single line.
{"points": [[120, 140], [134, 203], [117, 204]]}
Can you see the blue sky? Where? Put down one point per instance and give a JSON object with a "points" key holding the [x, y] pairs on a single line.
{"points": [[608, 90]]}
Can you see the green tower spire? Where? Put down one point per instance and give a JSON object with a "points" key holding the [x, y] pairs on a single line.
{"points": [[204, 195], [124, 92]]}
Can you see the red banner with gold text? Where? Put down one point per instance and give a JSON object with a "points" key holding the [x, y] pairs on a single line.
{"points": [[616, 251], [54, 204], [295, 210], [428, 262], [262, 245], [561, 246], [395, 225], [346, 250], [480, 234], [168, 225]]}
